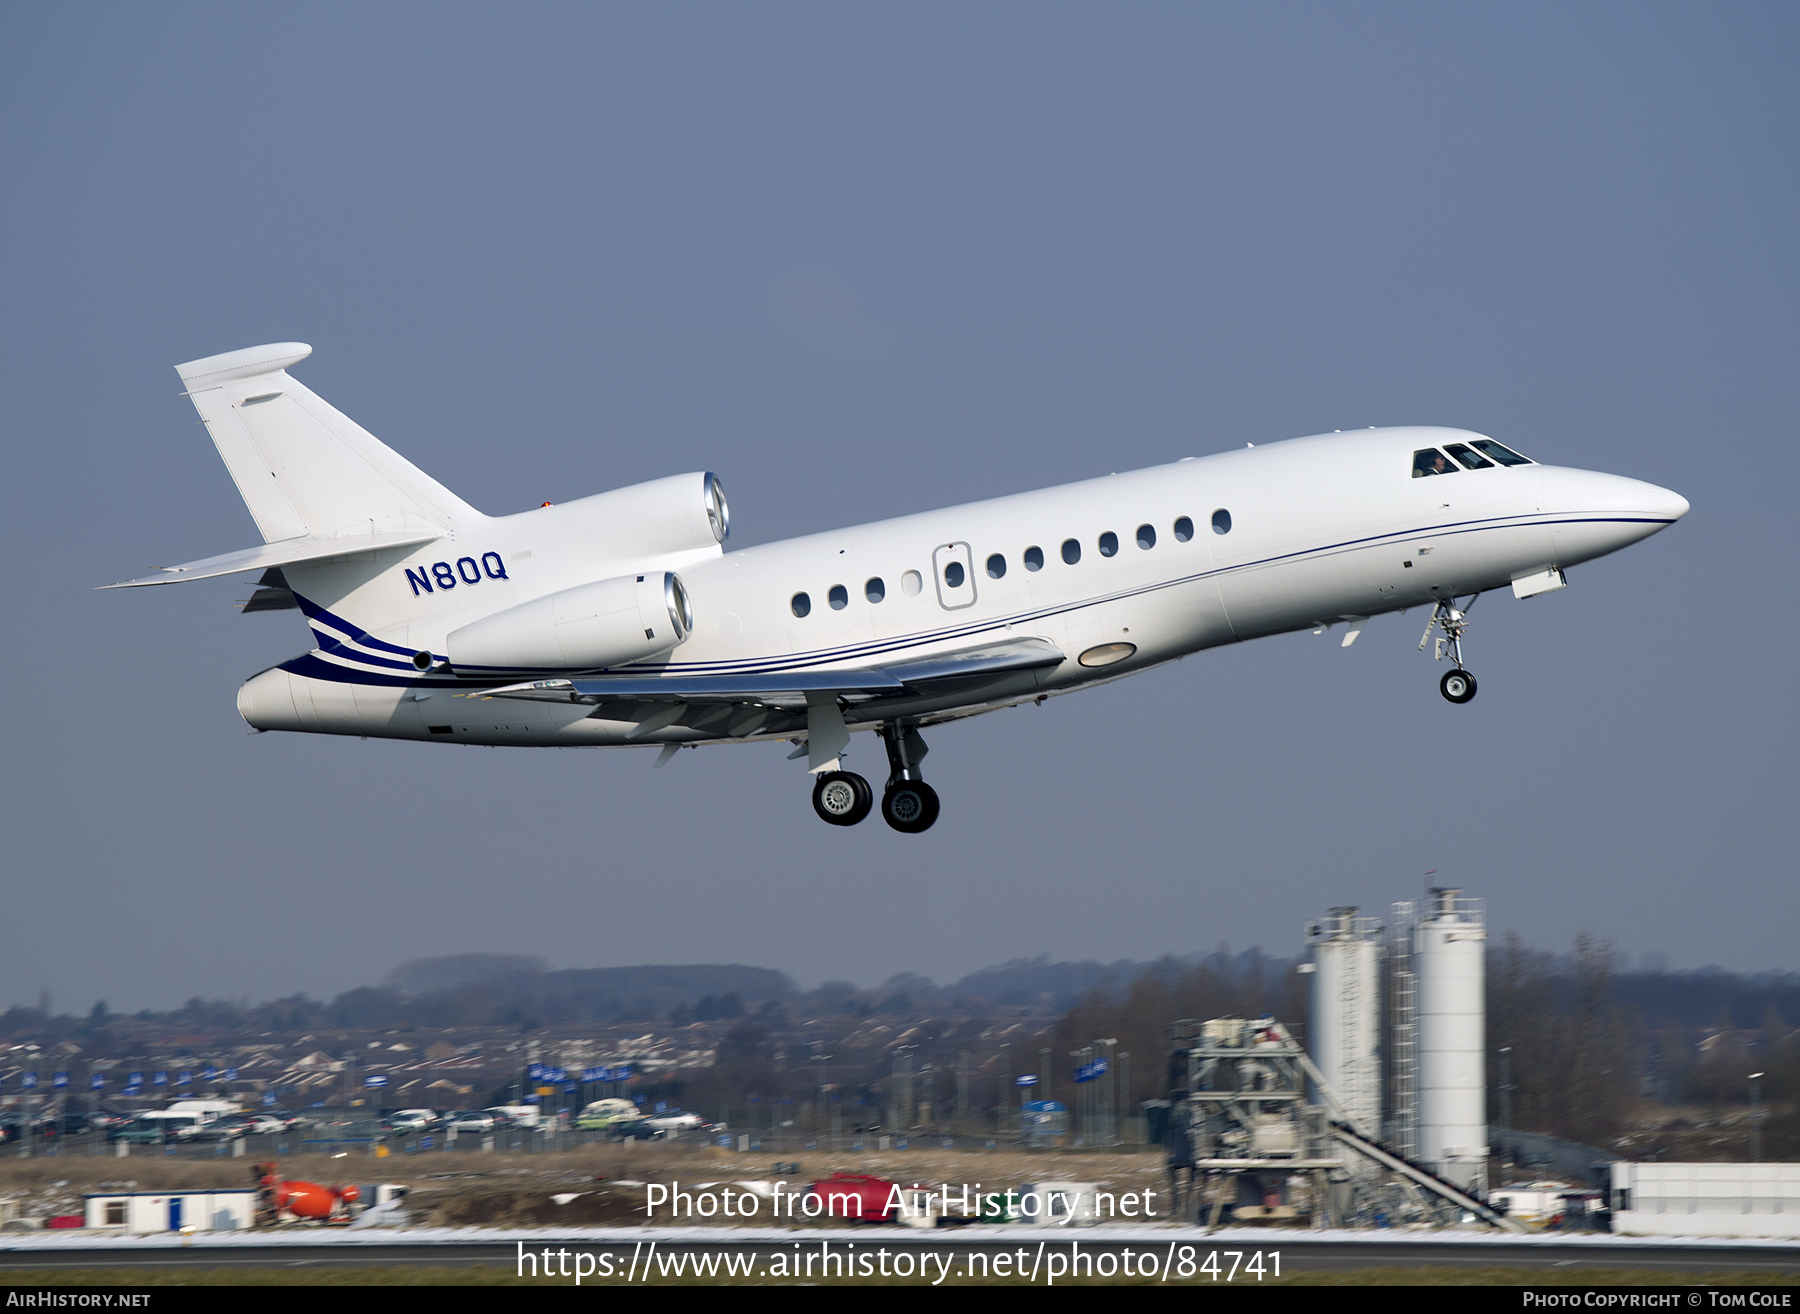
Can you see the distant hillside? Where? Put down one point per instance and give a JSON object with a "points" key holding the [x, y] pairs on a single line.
{"points": [[498, 989], [1061, 984], [647, 991], [1040, 981], [1710, 996]]}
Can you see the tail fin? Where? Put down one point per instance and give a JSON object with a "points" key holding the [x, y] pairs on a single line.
{"points": [[303, 467]]}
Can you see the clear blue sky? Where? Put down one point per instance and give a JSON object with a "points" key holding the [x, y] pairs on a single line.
{"points": [[864, 260]]}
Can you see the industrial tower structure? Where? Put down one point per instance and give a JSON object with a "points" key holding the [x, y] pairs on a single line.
{"points": [[1449, 956], [1345, 1024]]}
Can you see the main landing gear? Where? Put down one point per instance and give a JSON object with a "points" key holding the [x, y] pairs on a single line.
{"points": [[908, 804], [1458, 686]]}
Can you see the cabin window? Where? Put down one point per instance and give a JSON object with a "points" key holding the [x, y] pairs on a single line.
{"points": [[1034, 558], [800, 604], [1221, 521], [911, 582], [1499, 451], [1184, 530], [874, 590], [1071, 550], [1431, 462], [115, 1213], [1109, 544], [996, 566], [953, 574], [1466, 459], [1146, 537], [839, 597]]}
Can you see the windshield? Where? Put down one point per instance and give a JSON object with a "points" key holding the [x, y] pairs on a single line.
{"points": [[1431, 462], [1467, 459], [1501, 453]]}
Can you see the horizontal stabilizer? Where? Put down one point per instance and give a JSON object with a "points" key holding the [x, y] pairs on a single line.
{"points": [[789, 688], [288, 552]]}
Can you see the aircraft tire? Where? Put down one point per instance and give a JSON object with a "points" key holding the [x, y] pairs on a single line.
{"points": [[842, 798], [910, 806], [1458, 686]]}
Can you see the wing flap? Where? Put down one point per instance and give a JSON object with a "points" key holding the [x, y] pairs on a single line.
{"points": [[988, 659], [789, 688]]}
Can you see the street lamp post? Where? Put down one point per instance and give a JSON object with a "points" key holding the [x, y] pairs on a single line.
{"points": [[1112, 1092], [1131, 1127], [1506, 1087], [824, 1061], [1003, 1097], [1756, 1117]]}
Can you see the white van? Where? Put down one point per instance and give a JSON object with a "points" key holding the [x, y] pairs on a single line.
{"points": [[524, 1115], [206, 1110]]}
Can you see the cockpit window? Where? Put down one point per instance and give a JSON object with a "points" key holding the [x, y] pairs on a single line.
{"points": [[1466, 459], [1504, 455], [1431, 462]]}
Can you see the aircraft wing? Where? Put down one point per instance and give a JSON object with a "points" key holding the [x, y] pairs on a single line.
{"points": [[287, 552], [789, 688]]}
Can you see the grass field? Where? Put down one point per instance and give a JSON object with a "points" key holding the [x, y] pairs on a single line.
{"points": [[514, 1190]]}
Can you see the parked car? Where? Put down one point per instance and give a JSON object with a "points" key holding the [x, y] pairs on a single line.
{"points": [[637, 1129], [474, 1121], [602, 1114], [139, 1132], [262, 1124], [219, 1129], [677, 1122], [407, 1121]]}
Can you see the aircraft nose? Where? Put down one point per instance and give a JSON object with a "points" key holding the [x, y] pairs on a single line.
{"points": [[1634, 496], [1600, 513], [1666, 502], [1613, 495]]}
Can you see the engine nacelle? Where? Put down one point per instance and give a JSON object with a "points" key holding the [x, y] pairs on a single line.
{"points": [[607, 623], [682, 513]]}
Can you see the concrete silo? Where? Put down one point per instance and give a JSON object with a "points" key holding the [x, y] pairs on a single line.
{"points": [[1447, 964], [1344, 1034]]}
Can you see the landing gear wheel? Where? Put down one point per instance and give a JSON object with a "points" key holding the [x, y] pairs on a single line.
{"points": [[1458, 686], [909, 806], [842, 798]]}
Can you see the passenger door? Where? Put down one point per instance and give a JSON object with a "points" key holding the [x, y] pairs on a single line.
{"points": [[954, 566]]}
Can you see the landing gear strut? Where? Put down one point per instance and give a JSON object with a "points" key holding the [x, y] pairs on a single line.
{"points": [[908, 804], [1457, 686]]}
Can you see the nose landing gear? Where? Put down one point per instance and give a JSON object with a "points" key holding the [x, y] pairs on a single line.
{"points": [[1457, 686]]}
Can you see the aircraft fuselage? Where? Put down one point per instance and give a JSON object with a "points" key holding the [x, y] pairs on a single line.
{"points": [[1118, 573]]}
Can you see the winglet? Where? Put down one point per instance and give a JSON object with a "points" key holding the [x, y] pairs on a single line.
{"points": [[244, 363]]}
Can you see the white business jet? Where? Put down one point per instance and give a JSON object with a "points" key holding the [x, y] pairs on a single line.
{"points": [[619, 619]]}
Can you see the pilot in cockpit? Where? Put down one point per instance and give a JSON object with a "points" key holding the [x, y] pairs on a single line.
{"points": [[1431, 462]]}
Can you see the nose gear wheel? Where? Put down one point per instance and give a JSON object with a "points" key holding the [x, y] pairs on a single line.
{"points": [[1458, 686]]}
